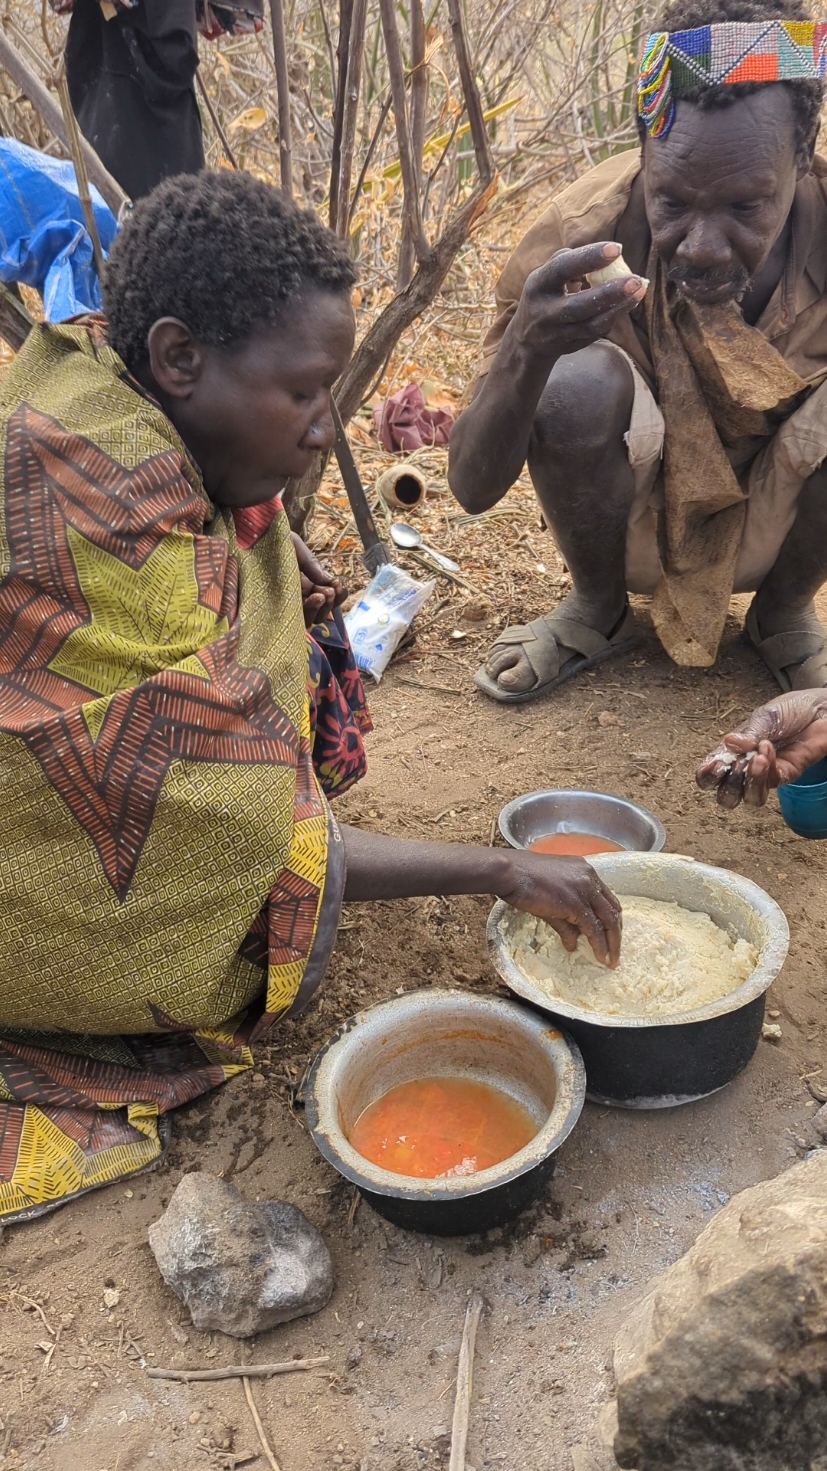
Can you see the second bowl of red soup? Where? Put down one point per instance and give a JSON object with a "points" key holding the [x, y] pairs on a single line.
{"points": [[579, 824]]}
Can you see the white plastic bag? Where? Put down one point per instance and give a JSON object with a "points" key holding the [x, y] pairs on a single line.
{"points": [[378, 621]]}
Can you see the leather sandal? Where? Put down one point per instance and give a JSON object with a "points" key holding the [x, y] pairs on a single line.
{"points": [[541, 641], [804, 652]]}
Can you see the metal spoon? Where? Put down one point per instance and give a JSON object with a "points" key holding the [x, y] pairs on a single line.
{"points": [[407, 536]]}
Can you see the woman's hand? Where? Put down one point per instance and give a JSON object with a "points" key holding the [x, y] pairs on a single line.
{"points": [[565, 892], [569, 896], [778, 742], [321, 591]]}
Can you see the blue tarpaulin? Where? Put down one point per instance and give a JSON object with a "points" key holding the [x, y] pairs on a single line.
{"points": [[43, 237]]}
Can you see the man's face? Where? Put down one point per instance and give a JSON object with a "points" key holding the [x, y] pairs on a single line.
{"points": [[719, 189], [257, 413]]}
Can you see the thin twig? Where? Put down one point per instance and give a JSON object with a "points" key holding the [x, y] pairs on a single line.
{"points": [[215, 120], [81, 176], [438, 571], [35, 1306], [238, 1371], [265, 1445], [439, 689], [377, 132], [465, 1382], [331, 60], [473, 104]]}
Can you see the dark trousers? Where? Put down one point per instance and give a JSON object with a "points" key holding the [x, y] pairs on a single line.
{"points": [[131, 81]]}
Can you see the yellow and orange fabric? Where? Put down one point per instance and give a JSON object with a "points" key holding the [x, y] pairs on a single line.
{"points": [[170, 871]]}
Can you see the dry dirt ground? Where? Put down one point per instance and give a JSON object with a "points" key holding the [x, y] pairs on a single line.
{"points": [[631, 1192]]}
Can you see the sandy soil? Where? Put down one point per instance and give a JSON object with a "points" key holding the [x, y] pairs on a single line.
{"points": [[631, 1192]]}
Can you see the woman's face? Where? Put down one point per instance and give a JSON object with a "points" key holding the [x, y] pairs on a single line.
{"points": [[254, 415]]}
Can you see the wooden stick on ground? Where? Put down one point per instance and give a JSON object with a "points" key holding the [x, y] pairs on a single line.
{"points": [[265, 1445], [238, 1371], [465, 1380]]}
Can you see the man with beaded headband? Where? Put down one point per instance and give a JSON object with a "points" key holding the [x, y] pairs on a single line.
{"points": [[674, 420]]}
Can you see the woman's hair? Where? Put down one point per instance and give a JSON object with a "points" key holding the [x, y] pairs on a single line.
{"points": [[221, 251], [807, 95]]}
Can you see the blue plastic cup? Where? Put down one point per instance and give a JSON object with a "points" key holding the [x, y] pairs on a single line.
{"points": [[803, 802]]}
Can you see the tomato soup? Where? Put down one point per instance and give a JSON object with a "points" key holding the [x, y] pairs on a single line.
{"points": [[436, 1128], [574, 845]]}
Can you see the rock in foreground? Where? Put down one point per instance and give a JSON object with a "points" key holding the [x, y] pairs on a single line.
{"points": [[723, 1367], [239, 1267]]}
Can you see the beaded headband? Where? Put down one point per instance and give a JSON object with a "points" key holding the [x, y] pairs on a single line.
{"points": [[737, 51]]}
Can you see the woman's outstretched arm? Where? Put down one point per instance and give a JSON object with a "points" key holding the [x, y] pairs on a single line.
{"points": [[565, 892]]}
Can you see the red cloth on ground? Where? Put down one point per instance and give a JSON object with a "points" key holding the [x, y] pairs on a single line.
{"points": [[403, 421]]}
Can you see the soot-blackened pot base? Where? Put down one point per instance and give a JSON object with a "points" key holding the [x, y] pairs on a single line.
{"points": [[425, 1034]]}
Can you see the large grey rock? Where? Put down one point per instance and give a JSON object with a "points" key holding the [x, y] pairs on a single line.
{"points": [[239, 1267], [723, 1367]]}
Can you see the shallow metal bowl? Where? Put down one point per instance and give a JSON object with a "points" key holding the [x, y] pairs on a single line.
{"points": [[637, 1062], [538, 814], [429, 1034]]}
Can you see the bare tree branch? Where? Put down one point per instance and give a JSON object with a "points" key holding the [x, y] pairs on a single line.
{"points": [[419, 106], [48, 110], [331, 60], [407, 305], [283, 91], [479, 131], [378, 343], [352, 86], [396, 71], [215, 120], [342, 48], [368, 160], [70, 123]]}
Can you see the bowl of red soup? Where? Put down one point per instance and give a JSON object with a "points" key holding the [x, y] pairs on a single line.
{"points": [[578, 824], [445, 1109]]}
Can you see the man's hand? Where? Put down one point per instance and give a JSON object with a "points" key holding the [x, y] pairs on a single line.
{"points": [[778, 742], [569, 896], [321, 591], [555, 316]]}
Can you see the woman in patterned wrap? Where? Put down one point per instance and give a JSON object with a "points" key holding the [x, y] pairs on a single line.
{"points": [[171, 874]]}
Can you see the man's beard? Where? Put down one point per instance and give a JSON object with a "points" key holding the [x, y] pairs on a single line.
{"points": [[685, 281]]}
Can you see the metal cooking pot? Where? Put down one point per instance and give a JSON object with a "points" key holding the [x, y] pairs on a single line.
{"points": [[539, 814], [450, 1033], [635, 1062]]}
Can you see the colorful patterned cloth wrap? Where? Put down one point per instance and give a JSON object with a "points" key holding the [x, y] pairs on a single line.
{"points": [[673, 62], [233, 18], [170, 872]]}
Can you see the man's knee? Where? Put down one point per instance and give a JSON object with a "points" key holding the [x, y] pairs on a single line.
{"points": [[586, 406]]}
